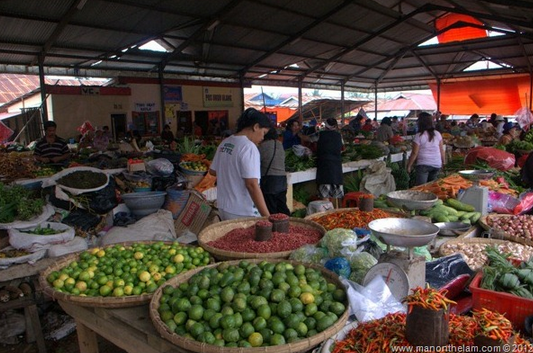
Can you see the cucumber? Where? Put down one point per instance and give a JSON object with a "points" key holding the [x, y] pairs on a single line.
{"points": [[441, 217], [475, 217], [460, 206], [467, 215], [442, 209], [453, 218], [451, 211], [439, 202], [460, 213]]}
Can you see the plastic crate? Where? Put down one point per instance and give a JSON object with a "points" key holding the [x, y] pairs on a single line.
{"points": [[514, 308]]}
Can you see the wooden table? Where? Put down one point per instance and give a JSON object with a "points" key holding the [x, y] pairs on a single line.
{"points": [[130, 329]]}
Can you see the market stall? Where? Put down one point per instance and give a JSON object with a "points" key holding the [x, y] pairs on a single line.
{"points": [[126, 252]]}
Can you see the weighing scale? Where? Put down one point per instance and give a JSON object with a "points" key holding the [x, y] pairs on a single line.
{"points": [[412, 200], [476, 195], [401, 270]]}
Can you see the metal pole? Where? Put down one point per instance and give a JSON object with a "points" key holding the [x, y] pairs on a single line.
{"points": [[43, 89], [301, 116], [342, 104]]}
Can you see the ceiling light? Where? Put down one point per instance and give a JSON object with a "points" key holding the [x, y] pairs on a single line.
{"points": [[263, 75], [96, 63]]}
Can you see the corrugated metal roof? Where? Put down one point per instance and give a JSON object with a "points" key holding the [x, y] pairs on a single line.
{"points": [[14, 86], [357, 44]]}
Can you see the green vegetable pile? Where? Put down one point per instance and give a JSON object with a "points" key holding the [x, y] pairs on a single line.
{"points": [[515, 146], [43, 231], [293, 163], [501, 276], [400, 176], [18, 203]]}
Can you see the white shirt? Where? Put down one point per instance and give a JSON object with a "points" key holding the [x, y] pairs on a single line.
{"points": [[429, 151], [237, 158]]}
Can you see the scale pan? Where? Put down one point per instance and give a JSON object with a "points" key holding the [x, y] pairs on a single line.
{"points": [[476, 175], [403, 232], [412, 200]]}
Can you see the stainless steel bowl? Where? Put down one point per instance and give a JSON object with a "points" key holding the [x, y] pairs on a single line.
{"points": [[452, 228], [403, 232], [412, 200], [476, 175]]}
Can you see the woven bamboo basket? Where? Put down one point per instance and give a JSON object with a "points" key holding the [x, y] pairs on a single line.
{"points": [[303, 345], [218, 230], [340, 211], [485, 220], [100, 302]]}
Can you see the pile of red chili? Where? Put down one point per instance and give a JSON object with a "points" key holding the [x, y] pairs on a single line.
{"points": [[351, 219], [493, 325], [388, 334], [243, 240], [428, 298]]}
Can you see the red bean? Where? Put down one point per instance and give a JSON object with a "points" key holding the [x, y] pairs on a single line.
{"points": [[243, 240]]}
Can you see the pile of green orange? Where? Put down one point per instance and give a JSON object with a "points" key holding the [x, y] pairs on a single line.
{"points": [[120, 270], [252, 305]]}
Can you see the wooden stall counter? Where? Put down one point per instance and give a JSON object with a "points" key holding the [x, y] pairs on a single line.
{"points": [[130, 329]]}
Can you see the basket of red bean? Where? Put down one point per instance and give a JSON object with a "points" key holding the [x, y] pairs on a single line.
{"points": [[236, 239]]}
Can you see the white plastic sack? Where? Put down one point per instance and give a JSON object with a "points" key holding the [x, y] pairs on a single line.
{"points": [[378, 179], [157, 226], [302, 151], [48, 211], [319, 206], [20, 239], [54, 178], [30, 258], [75, 245], [160, 167]]}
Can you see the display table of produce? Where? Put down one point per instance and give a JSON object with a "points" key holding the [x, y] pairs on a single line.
{"points": [[310, 174]]}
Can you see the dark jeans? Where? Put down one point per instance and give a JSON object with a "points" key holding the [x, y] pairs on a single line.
{"points": [[426, 173], [277, 203]]}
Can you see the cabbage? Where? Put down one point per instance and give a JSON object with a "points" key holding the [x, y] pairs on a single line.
{"points": [[337, 239], [360, 263], [309, 253]]}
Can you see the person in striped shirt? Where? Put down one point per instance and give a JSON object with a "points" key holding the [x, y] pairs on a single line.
{"points": [[51, 148]]}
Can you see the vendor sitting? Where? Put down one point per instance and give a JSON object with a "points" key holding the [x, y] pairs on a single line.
{"points": [[509, 136], [51, 148]]}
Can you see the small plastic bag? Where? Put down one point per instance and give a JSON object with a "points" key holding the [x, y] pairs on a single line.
{"points": [[340, 266], [160, 167], [373, 301], [502, 203]]}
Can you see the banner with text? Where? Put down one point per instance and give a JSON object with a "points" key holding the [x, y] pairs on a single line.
{"points": [[218, 97]]}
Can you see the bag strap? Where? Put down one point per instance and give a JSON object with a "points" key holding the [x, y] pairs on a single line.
{"points": [[273, 154]]}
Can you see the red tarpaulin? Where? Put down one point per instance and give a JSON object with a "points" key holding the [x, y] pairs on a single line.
{"points": [[5, 132], [458, 34]]}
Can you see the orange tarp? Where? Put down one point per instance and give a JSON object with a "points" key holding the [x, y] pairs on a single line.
{"points": [[501, 96], [283, 113], [458, 34]]}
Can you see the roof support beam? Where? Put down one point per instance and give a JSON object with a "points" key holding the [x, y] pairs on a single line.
{"points": [[297, 35]]}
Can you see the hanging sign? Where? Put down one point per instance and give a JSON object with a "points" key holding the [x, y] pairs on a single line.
{"points": [[144, 107], [172, 94], [218, 97]]}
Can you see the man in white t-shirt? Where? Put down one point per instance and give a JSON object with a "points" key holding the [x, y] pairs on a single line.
{"points": [[237, 166]]}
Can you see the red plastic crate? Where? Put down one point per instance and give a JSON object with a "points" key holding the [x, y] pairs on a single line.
{"points": [[514, 308]]}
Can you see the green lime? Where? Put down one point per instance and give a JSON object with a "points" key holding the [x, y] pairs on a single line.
{"points": [[255, 339], [227, 321], [180, 318], [214, 321], [246, 329], [276, 325], [277, 295], [296, 304], [277, 339], [196, 329], [284, 309], [339, 295], [259, 323], [231, 335]]}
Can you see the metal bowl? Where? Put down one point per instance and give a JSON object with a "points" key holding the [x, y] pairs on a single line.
{"points": [[403, 232], [476, 175], [452, 228], [412, 200]]}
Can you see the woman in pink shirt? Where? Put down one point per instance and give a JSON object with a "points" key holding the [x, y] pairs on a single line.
{"points": [[428, 151]]}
